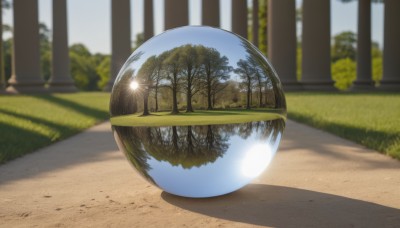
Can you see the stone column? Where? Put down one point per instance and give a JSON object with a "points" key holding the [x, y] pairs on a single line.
{"points": [[282, 41], [364, 66], [239, 17], [255, 22], [210, 13], [120, 37], [391, 49], [176, 13], [60, 80], [148, 19], [316, 62], [26, 76]]}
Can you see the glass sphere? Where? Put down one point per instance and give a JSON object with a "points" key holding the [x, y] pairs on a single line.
{"points": [[198, 111]]}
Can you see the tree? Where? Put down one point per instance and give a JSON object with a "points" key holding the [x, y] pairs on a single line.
{"points": [[172, 72], [344, 73], [377, 70], [377, 57], [45, 51], [83, 68], [262, 29], [344, 46], [246, 73], [259, 79], [216, 69], [103, 70], [191, 67], [158, 77], [138, 41], [376, 52], [147, 76], [262, 26]]}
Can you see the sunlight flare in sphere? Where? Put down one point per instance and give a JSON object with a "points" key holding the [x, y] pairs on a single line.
{"points": [[209, 115], [134, 85], [256, 160]]}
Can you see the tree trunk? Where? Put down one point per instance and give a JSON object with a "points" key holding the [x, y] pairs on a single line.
{"points": [[251, 97], [174, 101], [156, 98], [189, 140], [260, 93], [189, 107], [175, 138], [145, 103], [213, 100], [210, 138], [248, 97], [210, 106]]}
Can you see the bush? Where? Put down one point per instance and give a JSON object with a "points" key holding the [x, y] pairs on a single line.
{"points": [[344, 73]]}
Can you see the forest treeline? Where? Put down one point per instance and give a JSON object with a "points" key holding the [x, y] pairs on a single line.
{"points": [[192, 76]]}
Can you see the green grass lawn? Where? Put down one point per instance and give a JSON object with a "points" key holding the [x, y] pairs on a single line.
{"points": [[30, 122], [369, 119], [195, 118]]}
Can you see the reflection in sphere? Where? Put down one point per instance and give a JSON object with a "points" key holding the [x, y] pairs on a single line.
{"points": [[198, 111]]}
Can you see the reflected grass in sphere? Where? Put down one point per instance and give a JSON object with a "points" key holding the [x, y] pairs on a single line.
{"points": [[198, 111]]}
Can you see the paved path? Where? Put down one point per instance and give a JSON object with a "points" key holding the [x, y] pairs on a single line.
{"points": [[316, 180]]}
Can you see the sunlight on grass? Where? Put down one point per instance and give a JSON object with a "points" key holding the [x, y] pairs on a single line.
{"points": [[366, 118], [195, 118], [29, 122]]}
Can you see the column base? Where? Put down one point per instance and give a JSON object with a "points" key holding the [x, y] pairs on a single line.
{"points": [[392, 86], [292, 86], [62, 87], [363, 86], [26, 88], [319, 86]]}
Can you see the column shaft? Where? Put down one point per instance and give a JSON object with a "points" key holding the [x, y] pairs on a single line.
{"points": [[391, 49], [176, 13], [282, 41], [210, 13], [239, 17], [26, 76], [255, 22], [60, 80], [120, 37], [316, 64], [364, 66], [148, 19], [2, 76]]}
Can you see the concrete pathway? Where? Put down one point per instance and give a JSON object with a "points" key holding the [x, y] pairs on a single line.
{"points": [[316, 180]]}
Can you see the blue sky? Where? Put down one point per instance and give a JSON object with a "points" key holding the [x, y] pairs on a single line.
{"points": [[89, 20]]}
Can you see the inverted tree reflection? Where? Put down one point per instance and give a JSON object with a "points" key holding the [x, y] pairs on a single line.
{"points": [[188, 146]]}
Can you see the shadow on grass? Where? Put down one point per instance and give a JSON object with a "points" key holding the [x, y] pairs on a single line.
{"points": [[279, 206], [79, 149], [17, 141], [383, 142], [27, 141], [298, 137], [84, 110]]}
